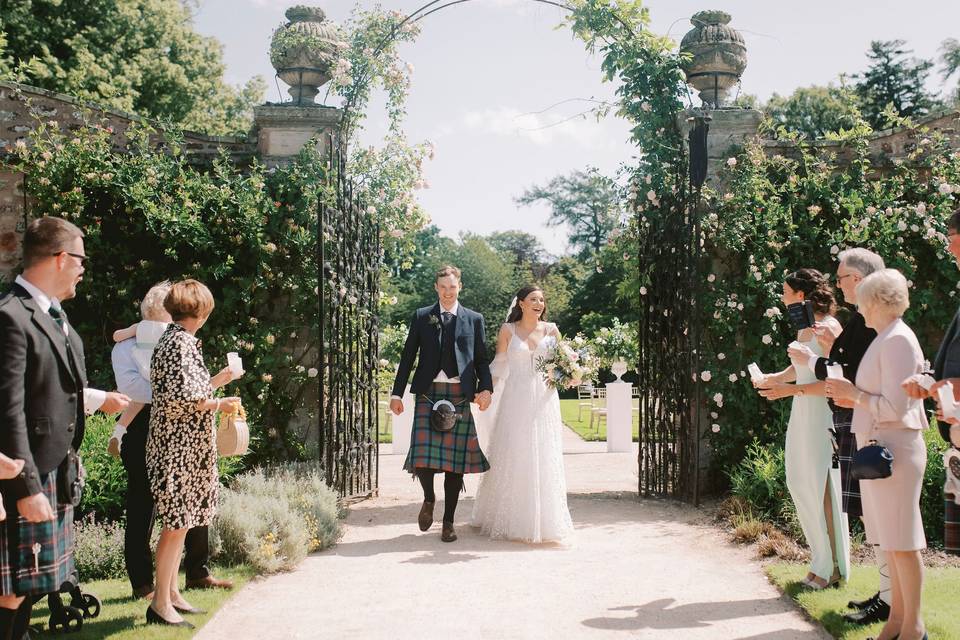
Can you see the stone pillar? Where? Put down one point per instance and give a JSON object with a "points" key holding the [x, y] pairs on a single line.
{"points": [[729, 129], [283, 130]]}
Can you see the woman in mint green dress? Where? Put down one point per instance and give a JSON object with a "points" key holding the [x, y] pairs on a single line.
{"points": [[812, 479]]}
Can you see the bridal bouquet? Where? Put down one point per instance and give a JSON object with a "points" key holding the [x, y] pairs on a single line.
{"points": [[568, 363]]}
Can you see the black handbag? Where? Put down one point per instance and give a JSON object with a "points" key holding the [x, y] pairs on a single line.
{"points": [[443, 415], [872, 462]]}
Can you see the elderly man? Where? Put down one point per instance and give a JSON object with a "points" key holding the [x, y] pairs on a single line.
{"points": [[140, 509], [946, 368], [43, 401], [847, 349]]}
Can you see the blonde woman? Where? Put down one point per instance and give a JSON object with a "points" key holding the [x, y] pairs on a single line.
{"points": [[884, 412]]}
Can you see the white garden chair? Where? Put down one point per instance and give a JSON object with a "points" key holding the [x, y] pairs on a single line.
{"points": [[598, 409], [584, 393]]}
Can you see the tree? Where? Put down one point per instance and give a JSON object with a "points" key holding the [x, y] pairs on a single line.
{"points": [[141, 56], [893, 79], [585, 201], [950, 58], [523, 248], [813, 111]]}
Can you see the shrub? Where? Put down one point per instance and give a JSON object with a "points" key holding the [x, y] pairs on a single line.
{"points": [[931, 496], [760, 481], [271, 518], [99, 550], [106, 482], [259, 530]]}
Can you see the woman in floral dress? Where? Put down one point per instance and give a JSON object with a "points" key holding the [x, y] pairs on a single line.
{"points": [[181, 449]]}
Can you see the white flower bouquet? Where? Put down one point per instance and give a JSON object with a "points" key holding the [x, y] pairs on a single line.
{"points": [[568, 363]]}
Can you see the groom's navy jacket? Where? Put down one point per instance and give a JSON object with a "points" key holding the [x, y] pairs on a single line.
{"points": [[469, 343]]}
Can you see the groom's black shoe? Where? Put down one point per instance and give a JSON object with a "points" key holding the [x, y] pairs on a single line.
{"points": [[425, 519], [448, 534], [878, 611]]}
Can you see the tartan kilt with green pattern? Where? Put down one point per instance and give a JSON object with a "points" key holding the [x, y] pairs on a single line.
{"points": [[20, 573], [458, 450]]}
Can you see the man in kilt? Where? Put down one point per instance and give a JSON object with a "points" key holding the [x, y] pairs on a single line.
{"points": [[846, 350], [946, 367], [43, 400], [449, 344]]}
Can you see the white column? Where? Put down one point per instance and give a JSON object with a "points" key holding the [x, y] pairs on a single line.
{"points": [[402, 425], [619, 418]]}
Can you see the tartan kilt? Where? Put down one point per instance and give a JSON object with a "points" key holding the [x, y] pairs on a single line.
{"points": [[951, 525], [458, 450], [56, 539], [846, 447]]}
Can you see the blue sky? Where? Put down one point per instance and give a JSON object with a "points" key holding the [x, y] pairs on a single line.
{"points": [[488, 73]]}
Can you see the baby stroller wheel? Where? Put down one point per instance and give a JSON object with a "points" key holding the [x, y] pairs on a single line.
{"points": [[66, 620], [87, 603]]}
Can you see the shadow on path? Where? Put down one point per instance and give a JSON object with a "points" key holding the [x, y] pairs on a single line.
{"points": [[658, 614]]}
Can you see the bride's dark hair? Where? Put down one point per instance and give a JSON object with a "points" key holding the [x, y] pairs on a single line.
{"points": [[516, 313]]}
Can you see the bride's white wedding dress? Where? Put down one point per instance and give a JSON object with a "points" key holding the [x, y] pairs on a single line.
{"points": [[524, 494]]}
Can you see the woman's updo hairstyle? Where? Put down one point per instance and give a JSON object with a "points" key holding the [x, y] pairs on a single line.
{"points": [[815, 288]]}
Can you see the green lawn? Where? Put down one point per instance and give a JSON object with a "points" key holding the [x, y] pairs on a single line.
{"points": [[568, 409], [940, 595], [123, 618]]}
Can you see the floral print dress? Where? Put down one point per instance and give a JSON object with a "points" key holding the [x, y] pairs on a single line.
{"points": [[181, 446]]}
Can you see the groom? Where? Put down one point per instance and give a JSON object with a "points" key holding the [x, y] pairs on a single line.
{"points": [[453, 365]]}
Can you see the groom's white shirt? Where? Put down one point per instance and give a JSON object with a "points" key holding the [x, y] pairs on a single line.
{"points": [[442, 377]]}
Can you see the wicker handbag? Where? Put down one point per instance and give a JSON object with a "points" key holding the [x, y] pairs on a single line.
{"points": [[233, 435]]}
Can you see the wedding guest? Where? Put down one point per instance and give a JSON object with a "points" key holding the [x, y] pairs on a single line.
{"points": [[43, 400], [180, 451], [813, 483], [846, 350], [129, 357], [883, 412], [946, 368]]}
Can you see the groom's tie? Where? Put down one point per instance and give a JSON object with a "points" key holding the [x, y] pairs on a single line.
{"points": [[448, 358]]}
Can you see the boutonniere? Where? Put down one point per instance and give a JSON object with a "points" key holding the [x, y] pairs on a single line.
{"points": [[434, 321]]}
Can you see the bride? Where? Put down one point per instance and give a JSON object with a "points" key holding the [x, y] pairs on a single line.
{"points": [[524, 495]]}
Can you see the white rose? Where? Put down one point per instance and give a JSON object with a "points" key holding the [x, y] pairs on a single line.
{"points": [[706, 376], [813, 209], [834, 250], [721, 356], [731, 162], [715, 428], [871, 210], [766, 339], [902, 226], [312, 372], [945, 188], [711, 278], [718, 399], [643, 291], [732, 377]]}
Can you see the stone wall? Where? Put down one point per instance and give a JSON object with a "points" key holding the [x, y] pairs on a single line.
{"points": [[731, 128], [23, 107]]}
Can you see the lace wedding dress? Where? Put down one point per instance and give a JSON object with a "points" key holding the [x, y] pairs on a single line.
{"points": [[524, 494]]}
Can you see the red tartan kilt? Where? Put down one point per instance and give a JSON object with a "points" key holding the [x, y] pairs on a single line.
{"points": [[19, 573], [457, 451]]}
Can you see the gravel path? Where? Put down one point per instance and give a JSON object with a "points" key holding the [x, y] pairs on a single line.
{"points": [[644, 569]]}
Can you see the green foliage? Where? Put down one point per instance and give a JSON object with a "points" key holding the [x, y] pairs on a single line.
{"points": [[99, 550], [106, 481], [587, 202], [777, 214], [950, 59], [813, 112], [271, 519], [931, 495], [140, 56], [760, 480], [893, 79], [616, 342], [249, 234]]}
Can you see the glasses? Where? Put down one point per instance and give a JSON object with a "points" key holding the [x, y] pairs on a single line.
{"points": [[82, 258], [840, 278]]}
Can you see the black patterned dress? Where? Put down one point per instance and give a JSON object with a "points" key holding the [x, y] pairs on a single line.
{"points": [[181, 449]]}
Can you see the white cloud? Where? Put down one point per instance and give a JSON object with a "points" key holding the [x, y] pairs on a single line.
{"points": [[539, 128]]}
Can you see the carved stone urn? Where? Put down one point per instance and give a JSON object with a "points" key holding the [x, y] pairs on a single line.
{"points": [[304, 51], [717, 56]]}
